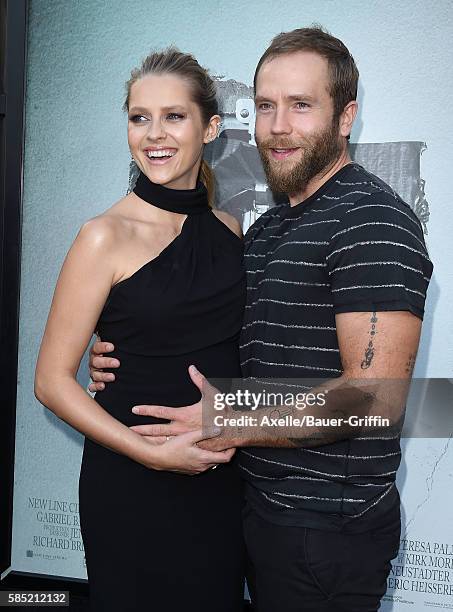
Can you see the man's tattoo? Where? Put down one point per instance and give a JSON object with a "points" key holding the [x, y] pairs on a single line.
{"points": [[410, 364], [279, 413], [369, 351], [282, 412]]}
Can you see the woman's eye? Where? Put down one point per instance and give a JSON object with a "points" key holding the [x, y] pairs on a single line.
{"points": [[138, 118], [175, 116]]}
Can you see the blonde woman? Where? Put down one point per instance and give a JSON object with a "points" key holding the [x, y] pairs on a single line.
{"points": [[160, 274]]}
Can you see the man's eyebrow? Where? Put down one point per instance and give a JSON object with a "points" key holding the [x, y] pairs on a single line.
{"points": [[291, 98], [300, 98], [259, 99]]}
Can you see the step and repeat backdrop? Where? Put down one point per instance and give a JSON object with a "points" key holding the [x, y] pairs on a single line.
{"points": [[77, 164]]}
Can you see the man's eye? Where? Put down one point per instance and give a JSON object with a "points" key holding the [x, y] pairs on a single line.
{"points": [[138, 118], [302, 105], [264, 106], [175, 116]]}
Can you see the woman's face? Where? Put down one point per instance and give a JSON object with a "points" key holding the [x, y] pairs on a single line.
{"points": [[165, 130]]}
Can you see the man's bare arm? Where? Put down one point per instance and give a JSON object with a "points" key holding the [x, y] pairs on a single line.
{"points": [[378, 351]]}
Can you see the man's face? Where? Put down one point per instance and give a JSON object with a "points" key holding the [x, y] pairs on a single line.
{"points": [[295, 133]]}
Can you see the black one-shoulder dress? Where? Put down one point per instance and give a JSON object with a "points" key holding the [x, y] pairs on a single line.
{"points": [[160, 541]]}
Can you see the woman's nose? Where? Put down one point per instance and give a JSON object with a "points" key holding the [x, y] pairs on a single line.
{"points": [[155, 130]]}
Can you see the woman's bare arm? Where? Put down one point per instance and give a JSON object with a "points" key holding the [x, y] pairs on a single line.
{"points": [[80, 294]]}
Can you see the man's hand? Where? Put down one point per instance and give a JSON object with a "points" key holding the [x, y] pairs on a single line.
{"points": [[186, 418], [97, 364], [182, 420]]}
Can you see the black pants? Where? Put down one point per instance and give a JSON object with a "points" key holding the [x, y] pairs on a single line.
{"points": [[297, 569]]}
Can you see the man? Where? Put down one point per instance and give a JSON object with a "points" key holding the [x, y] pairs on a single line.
{"points": [[336, 288]]}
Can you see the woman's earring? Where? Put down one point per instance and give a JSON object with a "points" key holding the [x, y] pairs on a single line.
{"points": [[219, 126], [134, 172]]}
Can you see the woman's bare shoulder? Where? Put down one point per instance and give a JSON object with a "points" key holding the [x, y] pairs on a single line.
{"points": [[231, 222], [100, 232], [107, 229]]}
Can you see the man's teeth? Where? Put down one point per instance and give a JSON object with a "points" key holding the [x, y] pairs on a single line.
{"points": [[161, 153]]}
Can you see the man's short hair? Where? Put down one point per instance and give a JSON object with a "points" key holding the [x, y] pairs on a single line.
{"points": [[343, 71]]}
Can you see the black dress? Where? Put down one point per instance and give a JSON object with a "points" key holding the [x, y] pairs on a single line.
{"points": [[160, 541]]}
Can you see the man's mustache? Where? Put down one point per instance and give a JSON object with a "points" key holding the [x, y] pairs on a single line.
{"points": [[281, 143]]}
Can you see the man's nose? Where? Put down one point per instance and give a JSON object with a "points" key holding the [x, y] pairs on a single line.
{"points": [[280, 123]]}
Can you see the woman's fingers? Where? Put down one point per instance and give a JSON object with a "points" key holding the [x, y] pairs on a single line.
{"points": [[214, 458], [208, 458]]}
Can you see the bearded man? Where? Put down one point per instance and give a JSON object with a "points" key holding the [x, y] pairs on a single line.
{"points": [[337, 282]]}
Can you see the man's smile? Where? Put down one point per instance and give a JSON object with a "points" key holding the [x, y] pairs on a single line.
{"points": [[279, 154]]}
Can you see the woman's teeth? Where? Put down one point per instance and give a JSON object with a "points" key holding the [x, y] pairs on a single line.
{"points": [[161, 153]]}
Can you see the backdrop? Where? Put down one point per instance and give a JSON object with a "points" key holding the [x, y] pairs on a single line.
{"points": [[77, 164]]}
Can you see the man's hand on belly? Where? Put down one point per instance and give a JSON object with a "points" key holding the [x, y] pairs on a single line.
{"points": [[199, 416], [182, 420]]}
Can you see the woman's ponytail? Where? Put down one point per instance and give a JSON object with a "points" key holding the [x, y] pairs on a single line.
{"points": [[208, 179]]}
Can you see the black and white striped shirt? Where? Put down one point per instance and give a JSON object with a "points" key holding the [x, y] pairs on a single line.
{"points": [[353, 246]]}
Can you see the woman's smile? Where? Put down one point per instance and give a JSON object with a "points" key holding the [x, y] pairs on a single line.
{"points": [[160, 156]]}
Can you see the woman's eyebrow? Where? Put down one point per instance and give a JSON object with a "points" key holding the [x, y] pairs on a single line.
{"points": [[177, 107], [146, 111], [139, 109]]}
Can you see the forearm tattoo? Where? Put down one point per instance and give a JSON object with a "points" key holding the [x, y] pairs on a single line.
{"points": [[410, 363], [369, 351]]}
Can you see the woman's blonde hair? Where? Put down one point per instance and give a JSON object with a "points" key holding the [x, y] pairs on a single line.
{"points": [[202, 86]]}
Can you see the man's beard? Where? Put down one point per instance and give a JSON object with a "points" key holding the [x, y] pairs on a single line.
{"points": [[318, 152]]}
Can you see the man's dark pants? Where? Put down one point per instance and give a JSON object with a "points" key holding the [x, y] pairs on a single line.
{"points": [[298, 569]]}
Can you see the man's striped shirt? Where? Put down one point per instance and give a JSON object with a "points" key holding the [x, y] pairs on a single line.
{"points": [[353, 246]]}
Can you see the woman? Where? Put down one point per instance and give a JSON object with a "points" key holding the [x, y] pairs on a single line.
{"points": [[160, 274]]}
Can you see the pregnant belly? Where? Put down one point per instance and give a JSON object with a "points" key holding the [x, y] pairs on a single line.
{"points": [[165, 380]]}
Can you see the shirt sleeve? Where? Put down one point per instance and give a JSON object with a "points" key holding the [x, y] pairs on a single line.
{"points": [[377, 258]]}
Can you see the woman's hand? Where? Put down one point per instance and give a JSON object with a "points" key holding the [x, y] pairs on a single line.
{"points": [[181, 454]]}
